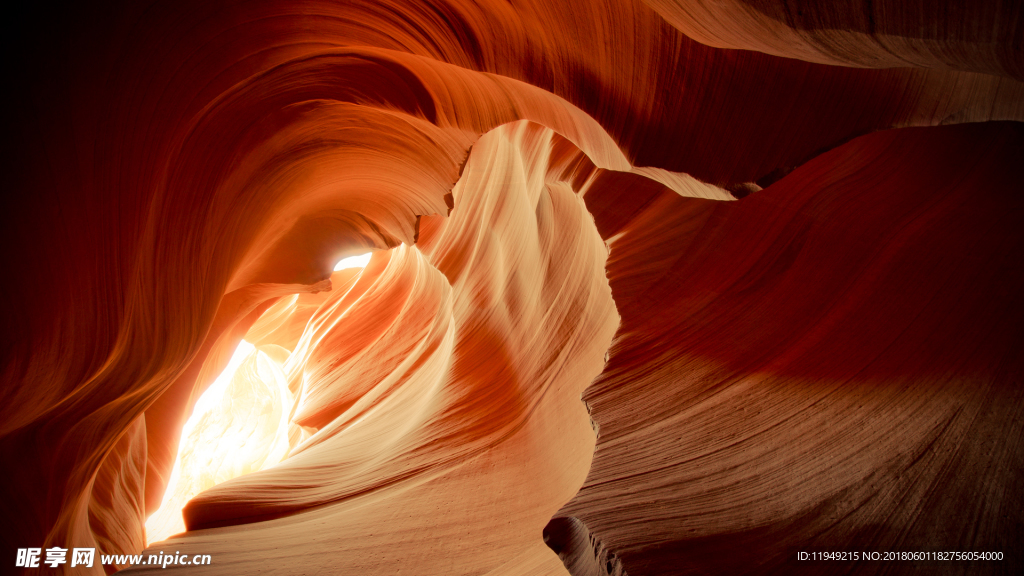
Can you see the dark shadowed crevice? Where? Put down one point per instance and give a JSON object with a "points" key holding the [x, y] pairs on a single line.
{"points": [[579, 550]]}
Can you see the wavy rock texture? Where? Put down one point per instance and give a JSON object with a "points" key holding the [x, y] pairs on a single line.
{"points": [[829, 386], [945, 34], [445, 387], [831, 362]]}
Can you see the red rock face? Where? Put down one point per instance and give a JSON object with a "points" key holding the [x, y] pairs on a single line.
{"points": [[549, 188]]}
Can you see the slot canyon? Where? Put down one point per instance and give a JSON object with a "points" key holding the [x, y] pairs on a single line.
{"points": [[513, 287]]}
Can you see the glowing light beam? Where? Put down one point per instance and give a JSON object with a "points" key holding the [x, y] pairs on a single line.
{"points": [[353, 262], [239, 425]]}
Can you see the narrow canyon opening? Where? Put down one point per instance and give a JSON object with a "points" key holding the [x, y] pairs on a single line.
{"points": [[239, 425], [830, 363], [444, 377]]}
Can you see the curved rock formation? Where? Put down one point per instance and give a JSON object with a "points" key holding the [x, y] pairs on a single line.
{"points": [[944, 34], [848, 381], [829, 363]]}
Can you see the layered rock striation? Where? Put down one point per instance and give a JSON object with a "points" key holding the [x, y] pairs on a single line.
{"points": [[657, 287]]}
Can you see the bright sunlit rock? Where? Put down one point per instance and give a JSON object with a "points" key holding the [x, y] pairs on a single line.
{"points": [[353, 262], [239, 425]]}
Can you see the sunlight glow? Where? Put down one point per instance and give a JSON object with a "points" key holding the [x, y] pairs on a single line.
{"points": [[353, 262], [239, 425]]}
